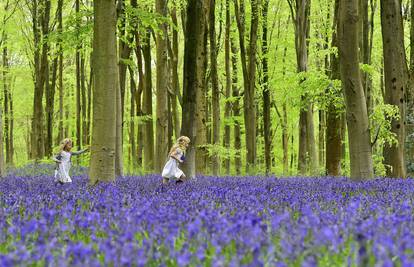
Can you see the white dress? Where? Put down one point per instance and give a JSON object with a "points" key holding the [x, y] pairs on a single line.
{"points": [[171, 169], [63, 168]]}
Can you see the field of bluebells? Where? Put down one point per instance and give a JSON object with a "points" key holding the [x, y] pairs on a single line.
{"points": [[232, 221]]}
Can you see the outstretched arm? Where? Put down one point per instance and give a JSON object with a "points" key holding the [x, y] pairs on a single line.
{"points": [[76, 153]]}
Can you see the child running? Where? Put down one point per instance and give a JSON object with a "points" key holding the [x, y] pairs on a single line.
{"points": [[63, 161], [176, 156]]}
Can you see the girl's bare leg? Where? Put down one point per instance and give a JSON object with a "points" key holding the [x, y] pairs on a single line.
{"points": [[182, 179], [165, 180]]}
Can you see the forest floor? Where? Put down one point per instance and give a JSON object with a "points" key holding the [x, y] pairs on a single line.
{"points": [[212, 221]]}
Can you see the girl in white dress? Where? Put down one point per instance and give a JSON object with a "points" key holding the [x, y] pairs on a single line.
{"points": [[176, 156], [63, 161]]}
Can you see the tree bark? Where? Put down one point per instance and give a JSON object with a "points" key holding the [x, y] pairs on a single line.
{"points": [[202, 113], [409, 142], [175, 77], [356, 109], [133, 89], [215, 90], [333, 116], [78, 78], [266, 92], [148, 137], [60, 83], [236, 108], [161, 141], [102, 165], [249, 77], [227, 112], [193, 51], [396, 82]]}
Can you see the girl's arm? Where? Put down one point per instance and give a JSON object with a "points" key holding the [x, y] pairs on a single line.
{"points": [[175, 155], [56, 158], [76, 153]]}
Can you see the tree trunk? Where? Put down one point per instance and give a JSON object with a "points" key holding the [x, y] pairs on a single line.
{"points": [[161, 145], [50, 106], [249, 77], [396, 82], [175, 77], [2, 165], [193, 54], [60, 49], [78, 78], [236, 108], [133, 88], [409, 142], [148, 137], [307, 157], [227, 112], [215, 90], [202, 114], [333, 116], [6, 100], [266, 92], [356, 109], [41, 14], [102, 165]]}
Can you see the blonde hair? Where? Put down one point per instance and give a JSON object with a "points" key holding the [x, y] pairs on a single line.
{"points": [[64, 143], [180, 144]]}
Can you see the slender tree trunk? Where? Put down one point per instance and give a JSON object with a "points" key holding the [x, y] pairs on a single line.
{"points": [[307, 149], [266, 92], [236, 108], [215, 89], [133, 88], [84, 103], [148, 137], [175, 77], [356, 109], [249, 77], [41, 14], [6, 90], [193, 54], [2, 163], [102, 166], [50, 106], [409, 141], [227, 112], [78, 78], [333, 116], [60, 49], [396, 82], [161, 146]]}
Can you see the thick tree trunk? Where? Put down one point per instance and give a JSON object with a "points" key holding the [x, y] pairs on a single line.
{"points": [[227, 112], [202, 114], [193, 54], [356, 109], [161, 141], [102, 166], [266, 92], [236, 108], [333, 116], [215, 89], [396, 82]]}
